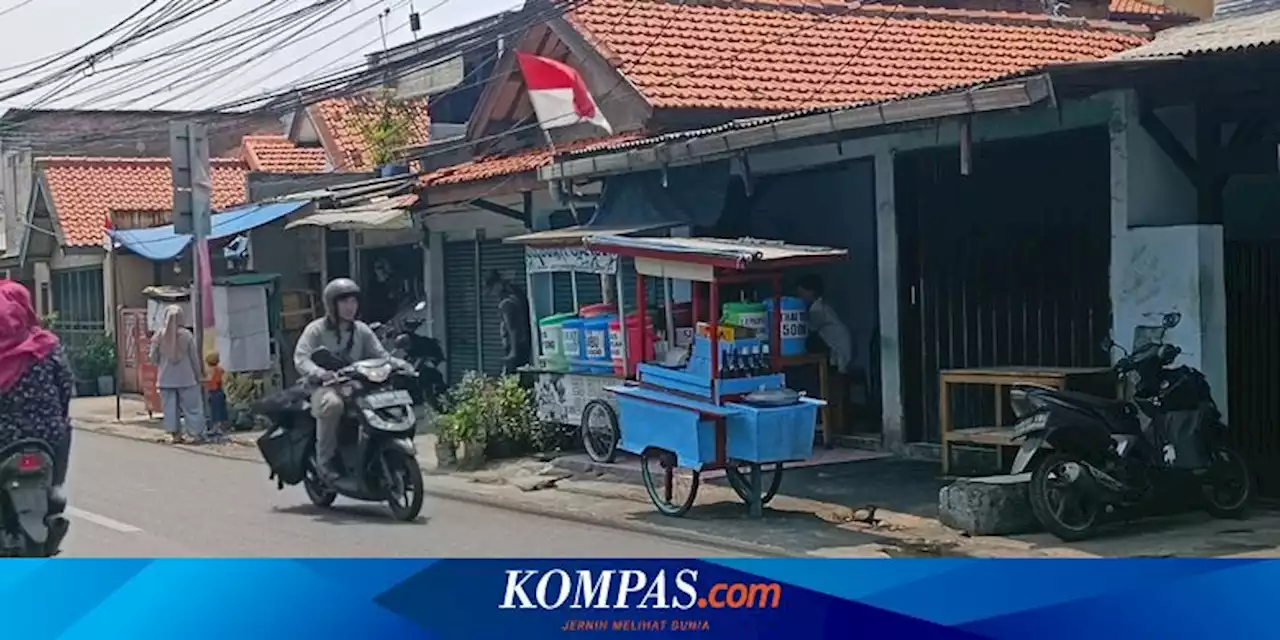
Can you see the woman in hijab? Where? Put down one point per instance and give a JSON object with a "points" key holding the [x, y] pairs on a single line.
{"points": [[174, 351], [35, 383]]}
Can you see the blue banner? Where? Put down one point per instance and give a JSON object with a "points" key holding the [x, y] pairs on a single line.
{"points": [[529, 599]]}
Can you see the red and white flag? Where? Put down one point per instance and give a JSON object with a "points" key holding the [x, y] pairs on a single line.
{"points": [[558, 93], [107, 242]]}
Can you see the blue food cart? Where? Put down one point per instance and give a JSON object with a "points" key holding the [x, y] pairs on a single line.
{"points": [[723, 402]]}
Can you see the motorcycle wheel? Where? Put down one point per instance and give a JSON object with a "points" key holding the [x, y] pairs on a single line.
{"points": [[320, 495], [1061, 510], [1230, 485], [404, 485]]}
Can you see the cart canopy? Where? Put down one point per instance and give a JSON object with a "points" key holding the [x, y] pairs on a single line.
{"points": [[741, 254], [573, 236]]}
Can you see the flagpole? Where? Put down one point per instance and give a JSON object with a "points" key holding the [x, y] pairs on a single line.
{"points": [[116, 321], [573, 209]]}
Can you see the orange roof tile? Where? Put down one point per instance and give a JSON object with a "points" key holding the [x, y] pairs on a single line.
{"points": [[277, 154], [85, 190], [501, 165], [1140, 8], [773, 58], [341, 122]]}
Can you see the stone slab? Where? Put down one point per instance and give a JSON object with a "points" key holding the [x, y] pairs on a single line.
{"points": [[988, 506]]}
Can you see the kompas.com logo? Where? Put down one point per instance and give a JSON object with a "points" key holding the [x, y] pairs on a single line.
{"points": [[613, 589]]}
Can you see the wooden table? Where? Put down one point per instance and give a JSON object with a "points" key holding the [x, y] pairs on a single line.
{"points": [[1000, 379], [820, 361]]}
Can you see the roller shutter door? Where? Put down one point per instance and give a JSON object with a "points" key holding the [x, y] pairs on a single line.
{"points": [[462, 308]]}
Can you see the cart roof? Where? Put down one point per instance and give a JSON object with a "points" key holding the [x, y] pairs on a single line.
{"points": [[740, 254], [574, 235]]}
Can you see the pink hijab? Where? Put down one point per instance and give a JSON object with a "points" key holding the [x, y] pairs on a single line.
{"points": [[23, 342]]}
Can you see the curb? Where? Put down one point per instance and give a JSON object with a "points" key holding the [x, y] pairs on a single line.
{"points": [[691, 537]]}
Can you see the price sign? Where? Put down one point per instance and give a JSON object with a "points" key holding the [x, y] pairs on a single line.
{"points": [[794, 325], [596, 348], [615, 343], [572, 349]]}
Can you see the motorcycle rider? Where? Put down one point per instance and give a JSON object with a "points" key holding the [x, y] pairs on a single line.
{"points": [[340, 332]]}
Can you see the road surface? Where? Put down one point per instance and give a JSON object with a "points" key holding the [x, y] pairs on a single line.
{"points": [[138, 499]]}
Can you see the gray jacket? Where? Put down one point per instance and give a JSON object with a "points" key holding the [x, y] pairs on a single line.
{"points": [[363, 345], [184, 373]]}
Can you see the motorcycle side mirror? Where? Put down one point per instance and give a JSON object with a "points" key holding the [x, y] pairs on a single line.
{"points": [[1171, 320], [1107, 344]]}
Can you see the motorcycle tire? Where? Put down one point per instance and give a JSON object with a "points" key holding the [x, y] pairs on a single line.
{"points": [[319, 494], [1235, 507], [398, 463], [1045, 512]]}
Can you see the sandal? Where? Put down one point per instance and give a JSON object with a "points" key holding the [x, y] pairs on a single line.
{"points": [[177, 438]]}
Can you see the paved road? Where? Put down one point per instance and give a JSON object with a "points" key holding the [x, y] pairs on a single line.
{"points": [[135, 499]]}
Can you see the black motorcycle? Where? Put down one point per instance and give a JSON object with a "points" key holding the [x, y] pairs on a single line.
{"points": [[423, 353], [1107, 456], [30, 527], [376, 452]]}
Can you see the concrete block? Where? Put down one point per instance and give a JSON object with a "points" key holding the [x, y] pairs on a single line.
{"points": [[990, 506]]}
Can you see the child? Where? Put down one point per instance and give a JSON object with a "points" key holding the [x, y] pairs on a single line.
{"points": [[217, 398]]}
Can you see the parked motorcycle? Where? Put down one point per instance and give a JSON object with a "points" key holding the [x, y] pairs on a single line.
{"points": [[376, 453], [402, 336], [29, 526], [1165, 445]]}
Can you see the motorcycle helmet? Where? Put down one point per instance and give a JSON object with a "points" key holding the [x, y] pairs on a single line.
{"points": [[337, 289]]}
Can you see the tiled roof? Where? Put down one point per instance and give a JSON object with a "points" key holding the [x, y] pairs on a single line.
{"points": [[501, 165], [774, 56], [1140, 8], [277, 154], [85, 190], [341, 123]]}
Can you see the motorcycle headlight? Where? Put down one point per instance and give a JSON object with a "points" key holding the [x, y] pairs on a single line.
{"points": [[376, 373]]}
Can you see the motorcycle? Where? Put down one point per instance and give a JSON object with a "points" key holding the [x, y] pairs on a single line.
{"points": [[1109, 456], [30, 526], [402, 338], [376, 453]]}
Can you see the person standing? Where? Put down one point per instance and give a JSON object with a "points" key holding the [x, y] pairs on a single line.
{"points": [[217, 397], [174, 351], [35, 386], [513, 309], [832, 336]]}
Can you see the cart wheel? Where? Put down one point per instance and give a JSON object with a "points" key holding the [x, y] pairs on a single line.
{"points": [[664, 489], [770, 480], [600, 432]]}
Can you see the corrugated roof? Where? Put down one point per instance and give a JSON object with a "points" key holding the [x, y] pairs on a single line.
{"points": [[1219, 35], [744, 250]]}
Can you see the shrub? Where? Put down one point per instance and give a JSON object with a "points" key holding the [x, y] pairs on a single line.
{"points": [[97, 358], [492, 412]]}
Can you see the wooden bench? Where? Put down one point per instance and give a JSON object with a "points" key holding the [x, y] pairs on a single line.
{"points": [[1000, 379]]}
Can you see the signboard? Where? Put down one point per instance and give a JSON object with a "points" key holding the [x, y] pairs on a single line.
{"points": [[561, 397], [564, 259]]}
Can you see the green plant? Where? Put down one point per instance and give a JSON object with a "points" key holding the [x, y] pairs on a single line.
{"points": [[492, 411], [387, 131], [49, 320], [97, 358]]}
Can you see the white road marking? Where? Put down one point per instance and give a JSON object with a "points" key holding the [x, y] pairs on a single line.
{"points": [[102, 521]]}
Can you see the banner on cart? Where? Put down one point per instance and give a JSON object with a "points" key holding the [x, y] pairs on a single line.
{"points": [[564, 259], [730, 598]]}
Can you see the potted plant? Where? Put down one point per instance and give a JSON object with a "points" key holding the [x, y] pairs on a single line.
{"points": [[468, 423], [518, 429], [95, 367], [386, 131]]}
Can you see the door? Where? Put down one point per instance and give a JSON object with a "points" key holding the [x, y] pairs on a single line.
{"points": [[508, 260], [1253, 355], [130, 339], [462, 308]]}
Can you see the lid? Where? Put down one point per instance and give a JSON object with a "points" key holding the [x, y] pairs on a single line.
{"points": [[743, 307], [596, 309], [599, 321], [773, 397], [558, 318]]}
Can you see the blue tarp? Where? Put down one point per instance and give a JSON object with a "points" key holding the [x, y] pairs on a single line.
{"points": [[161, 243]]}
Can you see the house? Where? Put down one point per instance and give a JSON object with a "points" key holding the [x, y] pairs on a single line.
{"points": [[659, 66], [1021, 220]]}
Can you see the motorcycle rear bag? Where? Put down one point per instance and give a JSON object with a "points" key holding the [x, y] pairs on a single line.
{"points": [[1181, 439], [286, 449]]}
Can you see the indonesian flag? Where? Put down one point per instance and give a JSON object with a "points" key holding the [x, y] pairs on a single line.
{"points": [[558, 93], [106, 233]]}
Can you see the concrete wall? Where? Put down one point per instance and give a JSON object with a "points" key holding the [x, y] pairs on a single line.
{"points": [[1161, 262]]}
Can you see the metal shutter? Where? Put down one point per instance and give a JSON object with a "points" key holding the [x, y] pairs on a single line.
{"points": [[508, 259], [462, 300]]}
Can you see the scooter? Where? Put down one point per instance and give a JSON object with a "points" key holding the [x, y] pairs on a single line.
{"points": [[1108, 456], [31, 522], [376, 454], [423, 353]]}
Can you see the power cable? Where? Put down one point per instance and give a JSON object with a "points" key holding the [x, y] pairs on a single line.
{"points": [[5, 12]]}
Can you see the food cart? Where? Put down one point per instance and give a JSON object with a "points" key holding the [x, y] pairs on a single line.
{"points": [[581, 352], [722, 403]]}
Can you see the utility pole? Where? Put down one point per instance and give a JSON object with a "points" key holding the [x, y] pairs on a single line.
{"points": [[192, 193]]}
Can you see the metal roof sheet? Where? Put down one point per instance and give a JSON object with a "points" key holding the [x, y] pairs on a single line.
{"points": [[575, 234], [747, 250], [1219, 35]]}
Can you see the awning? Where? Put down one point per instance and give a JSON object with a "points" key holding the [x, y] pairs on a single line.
{"points": [[161, 243], [389, 214], [573, 235]]}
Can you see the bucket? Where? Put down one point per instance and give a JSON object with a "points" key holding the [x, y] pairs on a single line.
{"points": [[551, 331], [750, 315], [795, 325], [595, 343], [596, 310], [616, 350], [571, 343]]}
